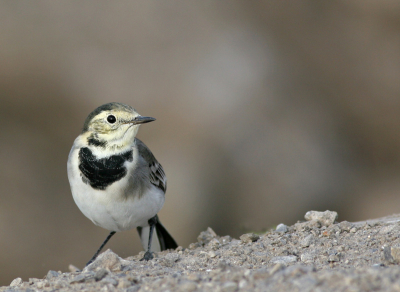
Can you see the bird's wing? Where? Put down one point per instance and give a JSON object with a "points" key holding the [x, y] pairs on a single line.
{"points": [[156, 171]]}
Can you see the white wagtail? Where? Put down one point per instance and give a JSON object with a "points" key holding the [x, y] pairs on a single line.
{"points": [[115, 179]]}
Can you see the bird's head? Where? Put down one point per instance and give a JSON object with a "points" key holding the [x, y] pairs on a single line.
{"points": [[113, 125]]}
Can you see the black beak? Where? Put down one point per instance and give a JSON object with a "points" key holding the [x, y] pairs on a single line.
{"points": [[142, 120]]}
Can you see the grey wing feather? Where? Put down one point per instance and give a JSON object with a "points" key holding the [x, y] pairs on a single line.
{"points": [[156, 171]]}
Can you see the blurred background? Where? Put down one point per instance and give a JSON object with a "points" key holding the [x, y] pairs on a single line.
{"points": [[265, 110]]}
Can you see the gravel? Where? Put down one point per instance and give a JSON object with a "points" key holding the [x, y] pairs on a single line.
{"points": [[316, 255]]}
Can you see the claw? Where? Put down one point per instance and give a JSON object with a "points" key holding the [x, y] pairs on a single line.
{"points": [[147, 256]]}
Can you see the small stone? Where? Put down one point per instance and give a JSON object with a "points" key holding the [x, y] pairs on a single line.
{"points": [[170, 259], [173, 256], [229, 287], [306, 241], [284, 260], [309, 225], [281, 228], [249, 237], [124, 283], [214, 243], [110, 280], [326, 233], [16, 282], [225, 239], [212, 254], [33, 280], [100, 274], [391, 254], [366, 226], [353, 230], [333, 258], [395, 250], [78, 279], [193, 245], [345, 226], [326, 218], [206, 236], [307, 258], [107, 260], [52, 274]]}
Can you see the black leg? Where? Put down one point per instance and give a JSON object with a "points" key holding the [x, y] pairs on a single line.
{"points": [[148, 255], [101, 247]]}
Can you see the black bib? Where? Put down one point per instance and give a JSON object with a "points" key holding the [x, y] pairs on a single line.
{"points": [[100, 173]]}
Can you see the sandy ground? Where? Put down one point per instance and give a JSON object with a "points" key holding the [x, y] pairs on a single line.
{"points": [[318, 254]]}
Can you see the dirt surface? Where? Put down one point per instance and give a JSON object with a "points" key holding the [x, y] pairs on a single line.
{"points": [[316, 255]]}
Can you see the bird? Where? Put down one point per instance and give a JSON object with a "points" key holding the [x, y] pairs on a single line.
{"points": [[115, 179]]}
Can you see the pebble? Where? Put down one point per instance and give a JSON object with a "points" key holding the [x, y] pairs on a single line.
{"points": [[307, 258], [326, 218], [391, 254], [52, 274], [395, 251], [16, 282], [353, 230], [333, 258], [124, 283], [107, 260], [306, 241], [170, 259], [346, 226], [309, 225], [249, 237], [78, 279], [214, 243], [100, 274], [110, 280], [42, 284], [282, 228], [284, 260], [212, 254], [206, 236]]}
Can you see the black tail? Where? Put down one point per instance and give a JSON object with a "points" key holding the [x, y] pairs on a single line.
{"points": [[165, 239], [162, 241]]}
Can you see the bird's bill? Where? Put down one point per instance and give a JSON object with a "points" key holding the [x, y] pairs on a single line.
{"points": [[141, 120]]}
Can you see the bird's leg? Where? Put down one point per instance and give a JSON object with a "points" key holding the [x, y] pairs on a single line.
{"points": [[101, 247], [148, 254]]}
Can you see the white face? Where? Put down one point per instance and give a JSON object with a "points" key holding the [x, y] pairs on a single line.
{"points": [[115, 128]]}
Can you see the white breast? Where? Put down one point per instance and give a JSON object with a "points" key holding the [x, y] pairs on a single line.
{"points": [[112, 208]]}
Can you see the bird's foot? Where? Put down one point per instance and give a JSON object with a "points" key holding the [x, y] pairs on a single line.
{"points": [[147, 256]]}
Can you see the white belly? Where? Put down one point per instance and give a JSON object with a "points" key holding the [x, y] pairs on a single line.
{"points": [[112, 208]]}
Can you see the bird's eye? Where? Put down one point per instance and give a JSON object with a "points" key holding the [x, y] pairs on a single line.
{"points": [[111, 119]]}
